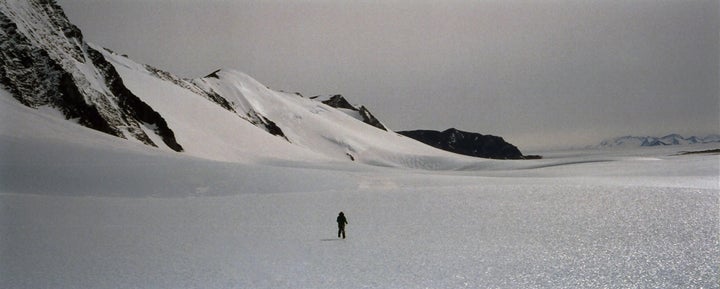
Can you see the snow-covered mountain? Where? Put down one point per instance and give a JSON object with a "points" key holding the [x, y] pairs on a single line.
{"points": [[648, 141], [46, 63], [114, 174], [360, 113], [227, 115]]}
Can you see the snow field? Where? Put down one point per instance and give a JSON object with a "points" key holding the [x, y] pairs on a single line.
{"points": [[81, 209], [240, 208], [495, 234]]}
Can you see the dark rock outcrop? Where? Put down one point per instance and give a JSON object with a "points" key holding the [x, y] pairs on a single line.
{"points": [[370, 119], [338, 101], [47, 63], [266, 124], [35, 79], [467, 143]]}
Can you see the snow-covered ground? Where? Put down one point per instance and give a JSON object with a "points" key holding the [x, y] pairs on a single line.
{"points": [[242, 208], [81, 209]]}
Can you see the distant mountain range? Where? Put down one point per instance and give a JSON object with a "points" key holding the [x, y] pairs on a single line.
{"points": [[649, 141]]}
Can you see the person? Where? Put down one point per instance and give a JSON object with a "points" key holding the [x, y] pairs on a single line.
{"points": [[341, 220]]}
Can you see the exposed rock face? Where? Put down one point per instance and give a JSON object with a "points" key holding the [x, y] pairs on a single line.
{"points": [[467, 143], [266, 124], [45, 62], [370, 119], [338, 101], [35, 79]]}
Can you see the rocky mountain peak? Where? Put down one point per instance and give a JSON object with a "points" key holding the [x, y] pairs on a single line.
{"points": [[45, 62], [338, 101]]}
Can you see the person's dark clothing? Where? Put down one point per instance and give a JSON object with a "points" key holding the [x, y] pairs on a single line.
{"points": [[341, 220]]}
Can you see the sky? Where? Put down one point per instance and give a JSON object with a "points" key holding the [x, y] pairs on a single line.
{"points": [[540, 73]]}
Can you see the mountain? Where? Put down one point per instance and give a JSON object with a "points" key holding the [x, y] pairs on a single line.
{"points": [[467, 143], [648, 141], [360, 113], [226, 115], [46, 63]]}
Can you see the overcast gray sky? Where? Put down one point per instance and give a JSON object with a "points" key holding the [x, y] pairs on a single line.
{"points": [[537, 72]]}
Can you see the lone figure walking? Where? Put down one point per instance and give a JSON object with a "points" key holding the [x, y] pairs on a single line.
{"points": [[341, 225]]}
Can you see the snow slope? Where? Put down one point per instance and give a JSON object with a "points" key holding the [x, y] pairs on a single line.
{"points": [[310, 127], [82, 209], [204, 128]]}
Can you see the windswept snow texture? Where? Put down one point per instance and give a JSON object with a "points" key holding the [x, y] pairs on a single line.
{"points": [[82, 209]]}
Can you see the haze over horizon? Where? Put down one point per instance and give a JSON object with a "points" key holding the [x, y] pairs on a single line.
{"points": [[538, 73]]}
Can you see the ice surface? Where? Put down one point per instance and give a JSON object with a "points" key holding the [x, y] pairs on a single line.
{"points": [[498, 235], [81, 209]]}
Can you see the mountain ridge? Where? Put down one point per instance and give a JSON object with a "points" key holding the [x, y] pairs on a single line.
{"points": [[339, 101], [45, 61], [650, 141], [226, 115]]}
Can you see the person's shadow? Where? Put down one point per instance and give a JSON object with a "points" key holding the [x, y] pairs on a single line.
{"points": [[329, 240]]}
